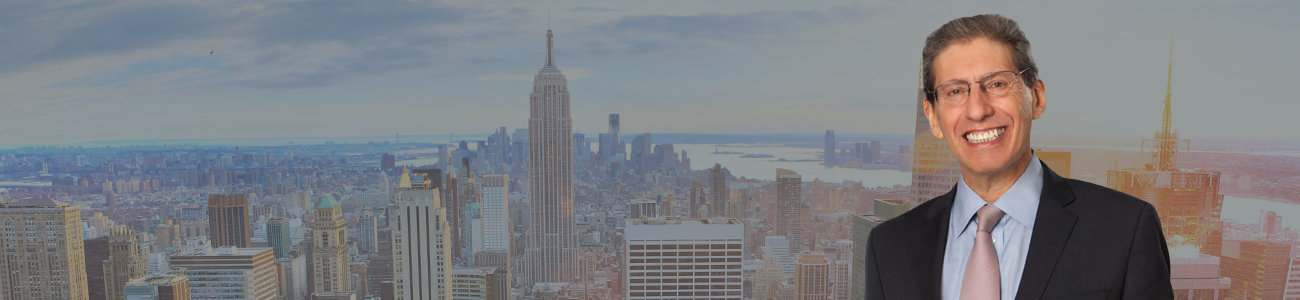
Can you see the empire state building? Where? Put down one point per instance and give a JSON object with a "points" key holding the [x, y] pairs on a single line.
{"points": [[551, 255]]}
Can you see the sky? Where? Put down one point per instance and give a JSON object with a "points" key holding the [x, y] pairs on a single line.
{"points": [[76, 71]]}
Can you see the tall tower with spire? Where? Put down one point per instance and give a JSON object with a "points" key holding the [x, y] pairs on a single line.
{"points": [[1188, 201], [552, 240]]}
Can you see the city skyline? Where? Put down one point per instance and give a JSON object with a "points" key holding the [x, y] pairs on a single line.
{"points": [[113, 78]]}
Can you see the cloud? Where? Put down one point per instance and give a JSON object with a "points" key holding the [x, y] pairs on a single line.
{"points": [[592, 9]]}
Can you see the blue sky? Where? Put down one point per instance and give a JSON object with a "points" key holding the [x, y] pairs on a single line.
{"points": [[75, 71]]}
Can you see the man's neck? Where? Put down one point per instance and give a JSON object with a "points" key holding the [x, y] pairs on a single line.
{"points": [[990, 187]]}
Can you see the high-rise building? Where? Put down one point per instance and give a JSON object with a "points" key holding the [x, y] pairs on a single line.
{"points": [[718, 195], [293, 277], [1188, 201], [56, 272], [278, 236], [368, 232], [170, 285], [828, 155], [698, 201], [496, 213], [684, 258], [387, 162], [884, 209], [842, 272], [777, 248], [421, 244], [1059, 162], [1258, 269], [789, 207], [228, 223], [1293, 279], [96, 253], [552, 239], [615, 144], [330, 248], [812, 276], [230, 273], [126, 261]]}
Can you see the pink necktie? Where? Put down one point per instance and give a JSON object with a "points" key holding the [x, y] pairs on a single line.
{"points": [[982, 280]]}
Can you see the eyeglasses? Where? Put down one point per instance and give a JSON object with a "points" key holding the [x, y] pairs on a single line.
{"points": [[996, 84]]}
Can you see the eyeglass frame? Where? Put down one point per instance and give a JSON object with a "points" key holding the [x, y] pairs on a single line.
{"points": [[932, 93]]}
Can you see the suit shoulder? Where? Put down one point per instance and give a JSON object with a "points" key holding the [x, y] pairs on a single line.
{"points": [[908, 221]]}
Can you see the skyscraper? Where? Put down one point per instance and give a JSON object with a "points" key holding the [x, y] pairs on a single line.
{"points": [[1188, 201], [330, 248], [126, 261], [96, 253], [828, 155], [496, 213], [615, 144], [552, 239], [277, 236], [421, 244], [228, 220], [718, 192], [169, 285], [56, 271], [789, 207], [368, 232], [698, 201], [812, 276]]}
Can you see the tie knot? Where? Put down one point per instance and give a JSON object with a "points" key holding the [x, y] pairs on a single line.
{"points": [[988, 216]]}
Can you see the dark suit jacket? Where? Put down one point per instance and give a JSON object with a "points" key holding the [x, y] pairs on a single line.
{"points": [[1089, 242]]}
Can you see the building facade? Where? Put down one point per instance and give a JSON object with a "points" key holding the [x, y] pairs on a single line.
{"points": [[684, 258], [230, 272], [789, 207], [228, 223], [421, 244], [57, 272], [126, 261], [330, 248], [552, 239]]}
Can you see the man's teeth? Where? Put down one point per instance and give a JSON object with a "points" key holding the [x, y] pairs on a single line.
{"points": [[985, 136]]}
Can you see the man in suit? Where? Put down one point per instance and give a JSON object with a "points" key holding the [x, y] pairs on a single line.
{"points": [[1011, 228]]}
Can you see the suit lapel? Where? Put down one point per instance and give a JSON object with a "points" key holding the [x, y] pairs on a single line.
{"points": [[1052, 228], [937, 237]]}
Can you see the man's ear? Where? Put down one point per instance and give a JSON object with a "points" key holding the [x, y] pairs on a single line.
{"points": [[1040, 99], [934, 120]]}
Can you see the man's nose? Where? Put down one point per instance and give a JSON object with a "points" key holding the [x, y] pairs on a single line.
{"points": [[978, 106]]}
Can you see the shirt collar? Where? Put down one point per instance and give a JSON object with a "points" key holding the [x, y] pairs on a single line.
{"points": [[1020, 202]]}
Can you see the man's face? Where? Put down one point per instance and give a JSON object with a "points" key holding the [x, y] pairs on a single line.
{"points": [[987, 134]]}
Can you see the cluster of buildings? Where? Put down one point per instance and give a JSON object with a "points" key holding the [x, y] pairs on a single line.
{"points": [[536, 214]]}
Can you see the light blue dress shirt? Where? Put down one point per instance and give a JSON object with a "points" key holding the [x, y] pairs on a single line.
{"points": [[1010, 237]]}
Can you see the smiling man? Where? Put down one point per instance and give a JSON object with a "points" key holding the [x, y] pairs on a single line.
{"points": [[1011, 228]]}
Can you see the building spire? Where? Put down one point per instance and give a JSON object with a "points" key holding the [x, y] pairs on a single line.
{"points": [[550, 46], [1166, 141]]}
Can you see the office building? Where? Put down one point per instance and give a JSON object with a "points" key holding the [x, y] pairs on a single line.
{"points": [[126, 260], [552, 239], [59, 275], [96, 253], [789, 207], [699, 202], [330, 248], [421, 244], [368, 232], [828, 151], [1196, 276], [1258, 269], [642, 208], [812, 276], [228, 223], [278, 236], [718, 195], [684, 258], [495, 213], [293, 277], [230, 273], [474, 283], [884, 209], [170, 285]]}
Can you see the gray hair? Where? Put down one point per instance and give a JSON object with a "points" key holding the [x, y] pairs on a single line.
{"points": [[963, 30]]}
